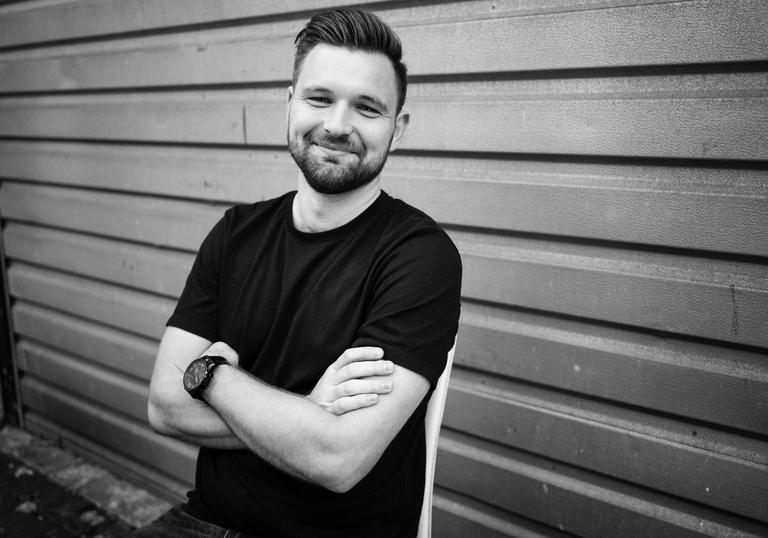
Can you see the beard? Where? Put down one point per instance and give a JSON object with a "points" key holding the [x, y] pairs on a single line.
{"points": [[330, 175]]}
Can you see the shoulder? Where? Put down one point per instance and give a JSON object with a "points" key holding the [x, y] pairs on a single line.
{"points": [[412, 231]]}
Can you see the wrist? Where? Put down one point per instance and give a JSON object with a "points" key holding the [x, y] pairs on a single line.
{"points": [[199, 374]]}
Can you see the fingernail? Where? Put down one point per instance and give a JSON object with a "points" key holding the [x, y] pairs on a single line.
{"points": [[386, 386], [379, 352], [373, 398], [388, 367]]}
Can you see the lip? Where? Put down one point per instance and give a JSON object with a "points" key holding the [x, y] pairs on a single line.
{"points": [[334, 149]]}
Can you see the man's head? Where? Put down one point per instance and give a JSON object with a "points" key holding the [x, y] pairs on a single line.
{"points": [[354, 30], [345, 104]]}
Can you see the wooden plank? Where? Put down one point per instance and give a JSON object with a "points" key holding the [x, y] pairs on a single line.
{"points": [[707, 298], [572, 500], [137, 473], [710, 209], [703, 382], [127, 438], [41, 21], [114, 392], [457, 516], [210, 174], [630, 34], [146, 268], [635, 204], [442, 42], [159, 222], [681, 116], [180, 117], [123, 352], [692, 461], [113, 306], [719, 128]]}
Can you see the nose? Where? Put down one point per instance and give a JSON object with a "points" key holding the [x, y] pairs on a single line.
{"points": [[337, 120]]}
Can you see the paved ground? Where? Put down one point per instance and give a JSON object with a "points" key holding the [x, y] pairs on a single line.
{"points": [[33, 505], [46, 491]]}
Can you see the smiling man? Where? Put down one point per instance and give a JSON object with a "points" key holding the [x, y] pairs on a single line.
{"points": [[313, 327]]}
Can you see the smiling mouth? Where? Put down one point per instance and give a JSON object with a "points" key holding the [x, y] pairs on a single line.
{"points": [[335, 149]]}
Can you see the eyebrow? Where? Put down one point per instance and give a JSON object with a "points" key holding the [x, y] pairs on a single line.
{"points": [[369, 98]]}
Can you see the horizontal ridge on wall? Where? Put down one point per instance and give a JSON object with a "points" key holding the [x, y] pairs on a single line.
{"points": [[716, 468], [445, 36], [587, 504], [681, 117], [126, 437], [700, 381], [604, 201]]}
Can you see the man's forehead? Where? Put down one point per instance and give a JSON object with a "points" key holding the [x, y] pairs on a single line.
{"points": [[366, 73]]}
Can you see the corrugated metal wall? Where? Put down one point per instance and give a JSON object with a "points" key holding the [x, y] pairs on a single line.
{"points": [[601, 165]]}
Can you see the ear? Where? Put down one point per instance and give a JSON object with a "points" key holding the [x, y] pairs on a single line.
{"points": [[401, 124], [290, 98]]}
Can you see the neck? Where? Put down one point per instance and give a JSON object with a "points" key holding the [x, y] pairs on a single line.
{"points": [[316, 212]]}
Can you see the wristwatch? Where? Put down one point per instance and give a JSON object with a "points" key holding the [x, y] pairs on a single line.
{"points": [[199, 374]]}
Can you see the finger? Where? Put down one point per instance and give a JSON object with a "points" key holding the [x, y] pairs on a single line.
{"points": [[360, 369], [352, 403], [356, 387], [355, 354]]}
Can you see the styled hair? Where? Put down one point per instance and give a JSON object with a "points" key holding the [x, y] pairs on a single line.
{"points": [[353, 29]]}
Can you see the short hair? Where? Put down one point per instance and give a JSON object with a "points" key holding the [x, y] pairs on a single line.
{"points": [[353, 29]]}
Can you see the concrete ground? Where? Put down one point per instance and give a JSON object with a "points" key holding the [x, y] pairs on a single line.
{"points": [[46, 491]]}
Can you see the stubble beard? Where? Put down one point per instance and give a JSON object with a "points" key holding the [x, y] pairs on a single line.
{"points": [[328, 175]]}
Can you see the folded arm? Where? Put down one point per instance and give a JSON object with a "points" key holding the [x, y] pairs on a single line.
{"points": [[327, 437], [171, 410], [301, 438]]}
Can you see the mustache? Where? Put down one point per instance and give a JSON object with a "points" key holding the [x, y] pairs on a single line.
{"points": [[337, 142]]}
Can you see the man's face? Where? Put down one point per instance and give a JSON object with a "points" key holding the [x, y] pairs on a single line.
{"points": [[342, 118]]}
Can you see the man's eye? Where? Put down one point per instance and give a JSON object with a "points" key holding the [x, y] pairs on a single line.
{"points": [[368, 111], [319, 101]]}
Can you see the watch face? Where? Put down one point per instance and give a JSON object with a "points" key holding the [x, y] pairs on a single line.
{"points": [[195, 373]]}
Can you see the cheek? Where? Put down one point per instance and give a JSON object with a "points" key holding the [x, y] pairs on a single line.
{"points": [[377, 139]]}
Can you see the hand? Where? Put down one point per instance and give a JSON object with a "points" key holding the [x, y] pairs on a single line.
{"points": [[222, 349], [354, 381]]}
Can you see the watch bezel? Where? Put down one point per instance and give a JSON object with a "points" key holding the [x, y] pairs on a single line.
{"points": [[210, 362]]}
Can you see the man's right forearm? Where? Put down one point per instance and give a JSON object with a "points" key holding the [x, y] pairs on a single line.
{"points": [[193, 422]]}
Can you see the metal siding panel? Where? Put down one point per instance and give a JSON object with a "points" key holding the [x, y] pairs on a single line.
{"points": [[111, 305], [118, 393], [124, 436], [134, 471], [622, 36], [704, 208], [144, 267], [108, 347], [706, 382], [161, 222], [456, 516], [600, 163], [40, 21], [676, 294], [678, 116], [571, 500], [687, 460]]}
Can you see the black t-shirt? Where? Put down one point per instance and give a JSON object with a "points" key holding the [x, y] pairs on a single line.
{"points": [[290, 303]]}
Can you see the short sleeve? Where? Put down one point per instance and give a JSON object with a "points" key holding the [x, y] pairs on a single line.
{"points": [[197, 309], [414, 315]]}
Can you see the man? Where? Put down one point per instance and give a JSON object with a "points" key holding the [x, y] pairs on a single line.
{"points": [[323, 319]]}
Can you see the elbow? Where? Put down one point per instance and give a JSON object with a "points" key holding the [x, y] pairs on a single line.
{"points": [[156, 417], [343, 470]]}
